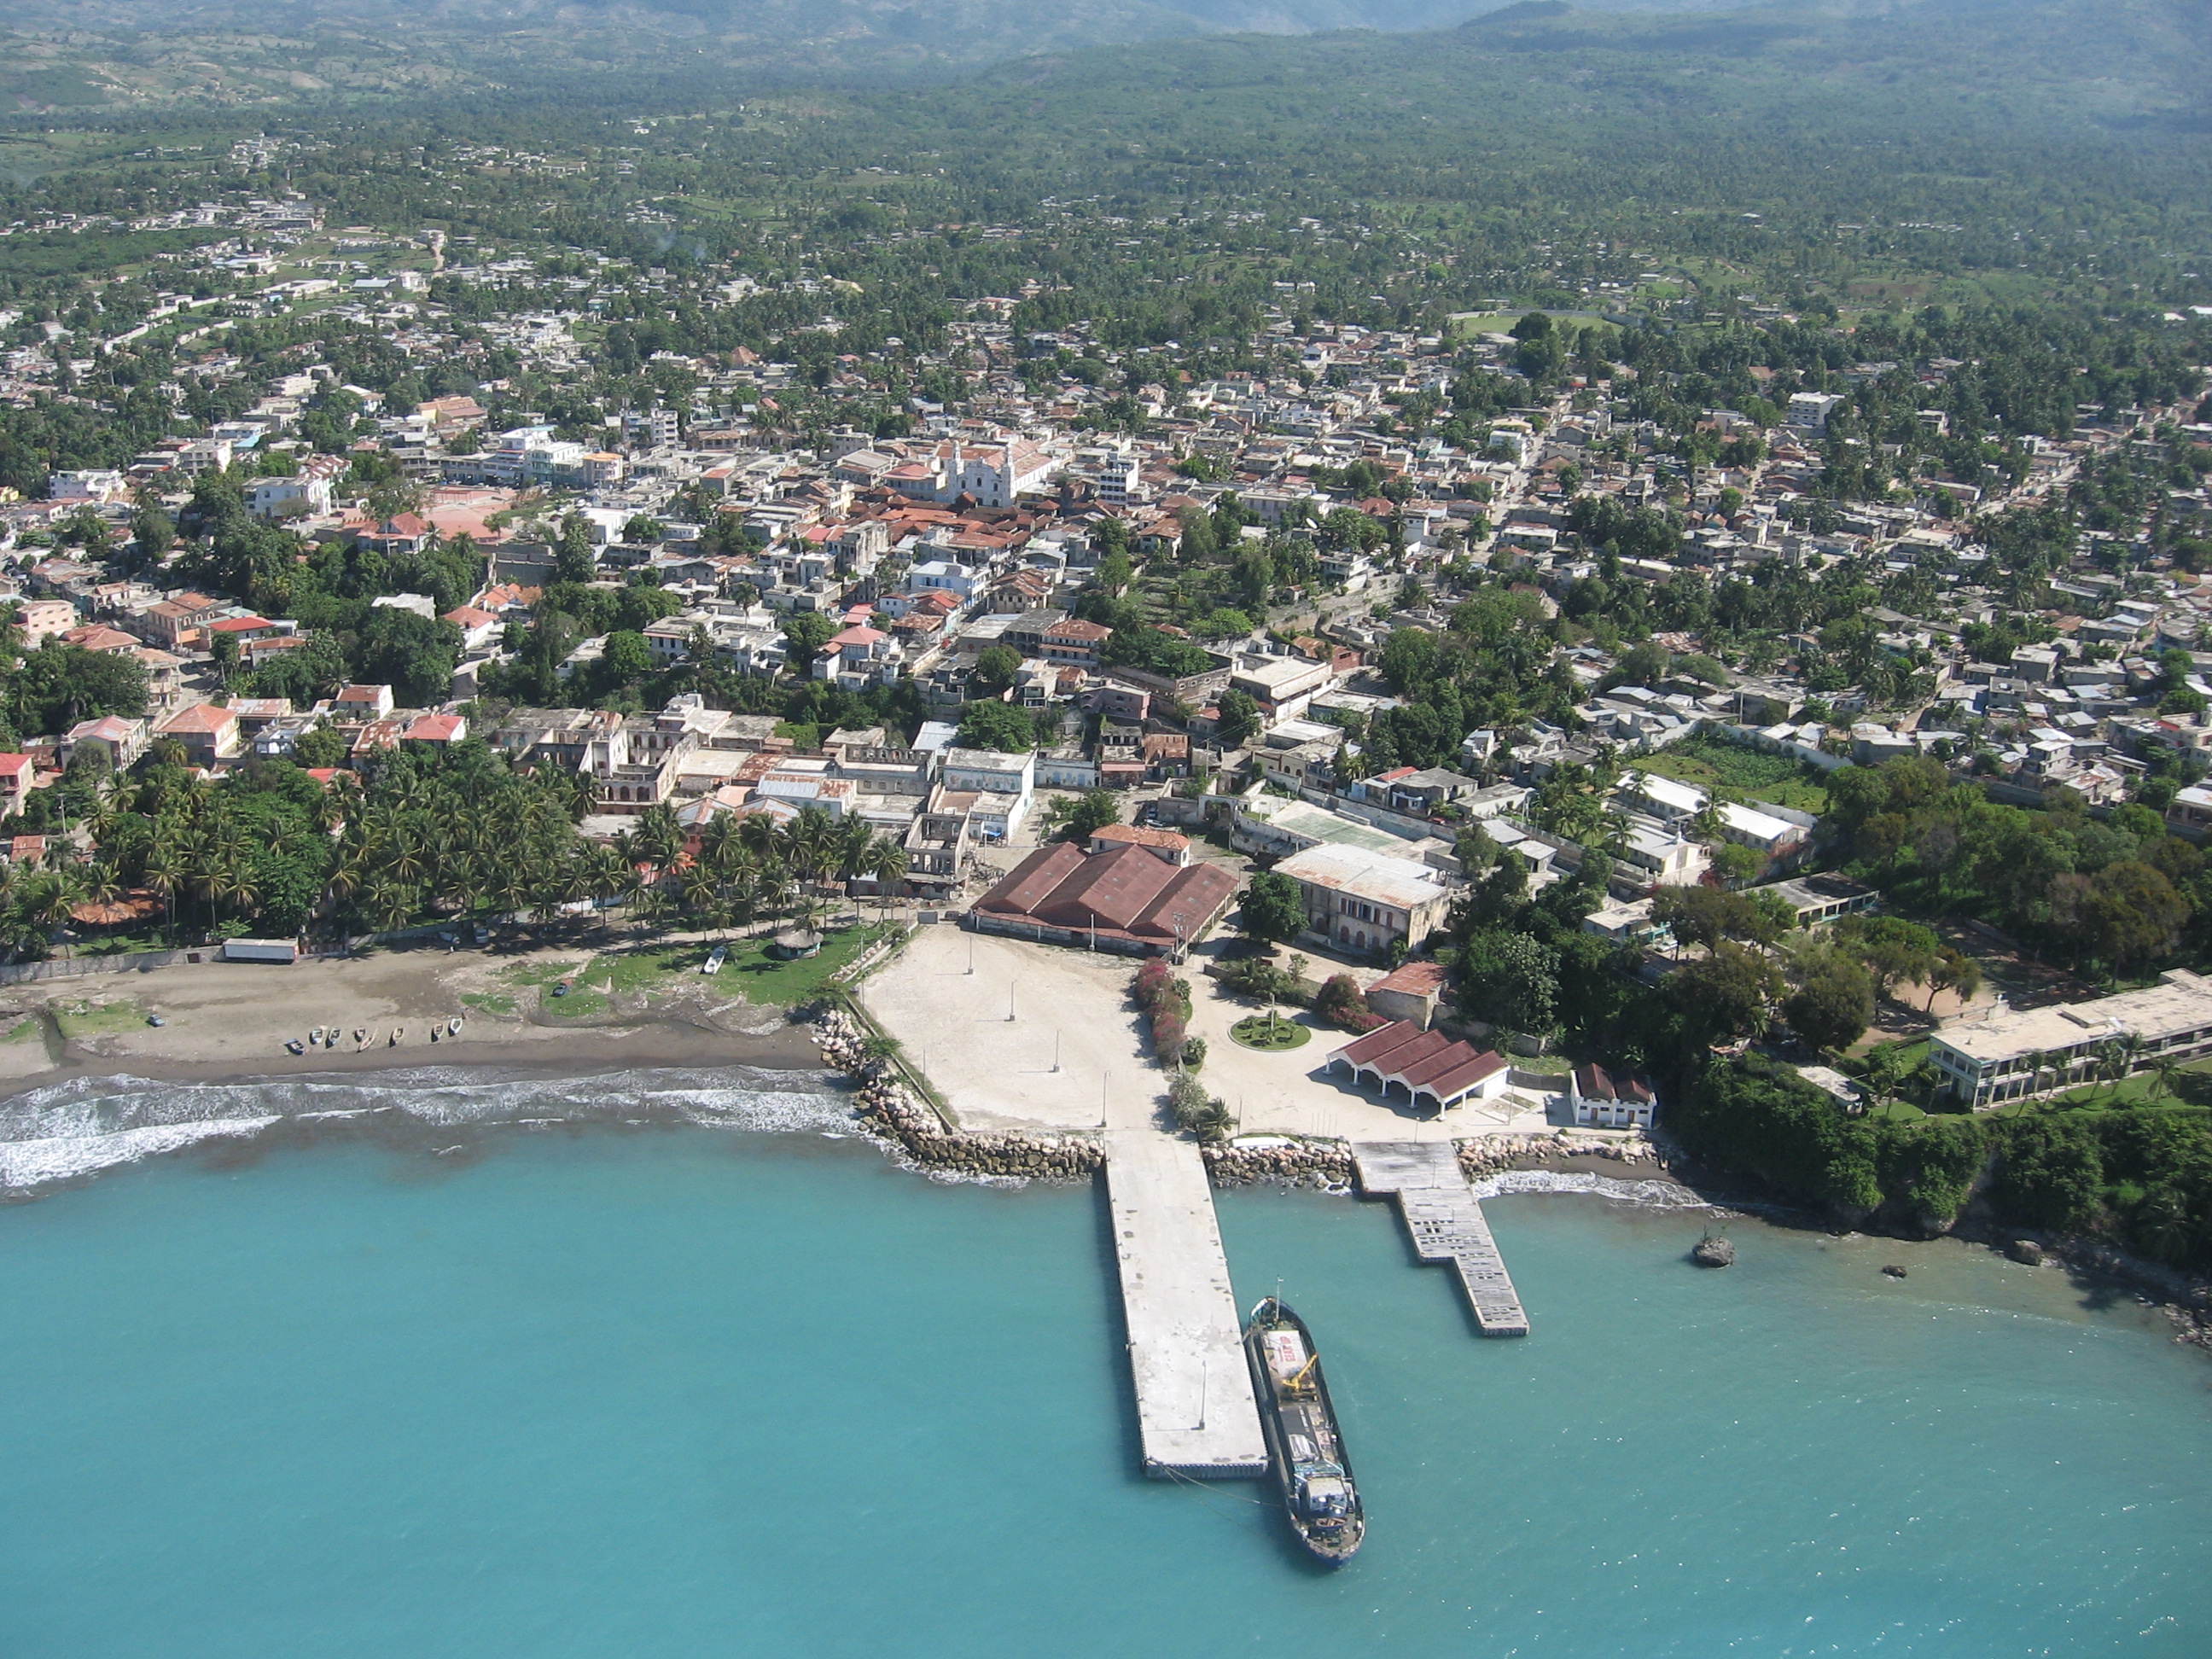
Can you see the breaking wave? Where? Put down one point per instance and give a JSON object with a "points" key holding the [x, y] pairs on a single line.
{"points": [[1650, 1194], [69, 1131]]}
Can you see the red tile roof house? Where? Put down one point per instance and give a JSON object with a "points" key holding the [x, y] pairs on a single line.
{"points": [[476, 626], [372, 736], [123, 739], [268, 646], [1126, 899], [363, 701], [243, 628], [207, 733], [1409, 992], [16, 774], [1607, 1101], [178, 622], [435, 731], [1426, 1065], [100, 639]]}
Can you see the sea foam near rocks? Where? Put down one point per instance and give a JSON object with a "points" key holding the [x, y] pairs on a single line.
{"points": [[68, 1131]]}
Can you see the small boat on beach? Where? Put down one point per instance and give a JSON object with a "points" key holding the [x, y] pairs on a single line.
{"points": [[1312, 1469], [315, 1037], [715, 958]]}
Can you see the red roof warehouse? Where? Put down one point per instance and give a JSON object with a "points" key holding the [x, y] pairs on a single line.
{"points": [[1127, 899]]}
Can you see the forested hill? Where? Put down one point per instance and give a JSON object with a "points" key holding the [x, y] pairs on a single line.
{"points": [[2114, 59], [71, 53]]}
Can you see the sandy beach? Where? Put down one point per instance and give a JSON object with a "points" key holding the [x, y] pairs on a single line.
{"points": [[230, 1020]]}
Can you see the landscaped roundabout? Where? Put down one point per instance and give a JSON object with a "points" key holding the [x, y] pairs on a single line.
{"points": [[1270, 1033]]}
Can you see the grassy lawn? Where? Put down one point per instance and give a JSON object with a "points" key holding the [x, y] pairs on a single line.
{"points": [[764, 979], [1734, 773], [1900, 1111], [488, 1002], [1912, 1054], [25, 1029], [748, 970], [83, 1016], [119, 944], [538, 973], [1548, 1065]]}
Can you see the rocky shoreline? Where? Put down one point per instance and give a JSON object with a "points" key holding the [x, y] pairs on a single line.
{"points": [[890, 1112], [1490, 1155], [887, 1106]]}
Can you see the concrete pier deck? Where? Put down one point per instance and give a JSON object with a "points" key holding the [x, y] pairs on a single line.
{"points": [[1446, 1221], [1196, 1413]]}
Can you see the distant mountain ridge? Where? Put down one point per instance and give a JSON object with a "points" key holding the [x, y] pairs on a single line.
{"points": [[68, 53], [2125, 60]]}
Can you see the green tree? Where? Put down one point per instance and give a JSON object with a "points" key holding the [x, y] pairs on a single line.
{"points": [[321, 747], [1409, 656], [1273, 909], [997, 725], [805, 634], [1509, 978], [573, 560], [1091, 811], [1726, 993], [1832, 1004], [413, 654], [626, 659], [1236, 717], [55, 686], [995, 668]]}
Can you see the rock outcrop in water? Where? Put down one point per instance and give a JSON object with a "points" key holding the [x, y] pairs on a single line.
{"points": [[1710, 1252]]}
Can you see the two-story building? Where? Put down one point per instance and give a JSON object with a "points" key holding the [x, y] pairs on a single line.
{"points": [[1364, 902], [1004, 787], [2009, 1053], [209, 735]]}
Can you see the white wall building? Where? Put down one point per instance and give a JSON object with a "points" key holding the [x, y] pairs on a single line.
{"points": [[1004, 787]]}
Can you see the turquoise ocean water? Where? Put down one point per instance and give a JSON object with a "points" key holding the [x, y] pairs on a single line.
{"points": [[686, 1391]]}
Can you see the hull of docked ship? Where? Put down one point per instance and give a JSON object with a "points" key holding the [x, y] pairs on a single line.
{"points": [[1312, 1469]]}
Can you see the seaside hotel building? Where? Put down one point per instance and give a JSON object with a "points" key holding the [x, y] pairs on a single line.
{"points": [[2012, 1052]]}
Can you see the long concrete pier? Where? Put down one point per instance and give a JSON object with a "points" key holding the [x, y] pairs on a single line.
{"points": [[1196, 1413], [1446, 1221]]}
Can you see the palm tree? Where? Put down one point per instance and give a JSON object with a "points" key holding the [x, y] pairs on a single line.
{"points": [[164, 871], [885, 862], [2051, 1060], [631, 885], [810, 839], [389, 906], [2129, 1045], [236, 884], [760, 838], [47, 901], [718, 843], [697, 889], [510, 892], [659, 835], [771, 888], [2164, 1068], [849, 844]]}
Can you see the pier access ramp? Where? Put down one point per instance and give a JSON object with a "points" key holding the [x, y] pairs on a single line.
{"points": [[1196, 1413], [1446, 1221]]}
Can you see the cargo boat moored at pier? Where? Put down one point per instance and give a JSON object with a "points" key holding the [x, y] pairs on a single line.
{"points": [[1311, 1466]]}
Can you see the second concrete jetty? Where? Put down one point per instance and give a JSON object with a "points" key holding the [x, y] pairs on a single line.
{"points": [[1446, 1221]]}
